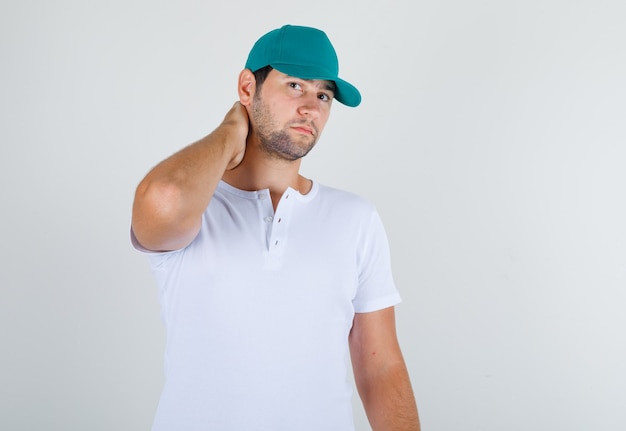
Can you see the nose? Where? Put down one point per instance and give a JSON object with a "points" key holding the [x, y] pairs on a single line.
{"points": [[309, 106]]}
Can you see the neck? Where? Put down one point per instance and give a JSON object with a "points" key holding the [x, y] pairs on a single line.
{"points": [[258, 171]]}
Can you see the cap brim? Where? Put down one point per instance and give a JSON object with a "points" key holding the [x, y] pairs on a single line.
{"points": [[346, 93]]}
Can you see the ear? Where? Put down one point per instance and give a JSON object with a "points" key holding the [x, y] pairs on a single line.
{"points": [[246, 87]]}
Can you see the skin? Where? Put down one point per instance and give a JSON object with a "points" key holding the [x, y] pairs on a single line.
{"points": [[260, 145]]}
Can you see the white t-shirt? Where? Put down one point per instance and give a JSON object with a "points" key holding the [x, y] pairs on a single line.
{"points": [[259, 306]]}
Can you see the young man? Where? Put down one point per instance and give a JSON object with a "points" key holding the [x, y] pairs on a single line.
{"points": [[268, 279]]}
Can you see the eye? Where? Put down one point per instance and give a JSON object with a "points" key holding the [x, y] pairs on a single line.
{"points": [[325, 97], [295, 86]]}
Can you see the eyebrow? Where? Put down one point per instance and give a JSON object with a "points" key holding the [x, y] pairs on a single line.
{"points": [[328, 85]]}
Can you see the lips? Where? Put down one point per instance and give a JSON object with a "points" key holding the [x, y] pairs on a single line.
{"points": [[305, 130]]}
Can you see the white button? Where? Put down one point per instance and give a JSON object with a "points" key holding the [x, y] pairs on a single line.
{"points": [[268, 219]]}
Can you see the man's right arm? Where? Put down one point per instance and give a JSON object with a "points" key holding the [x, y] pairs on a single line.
{"points": [[170, 200]]}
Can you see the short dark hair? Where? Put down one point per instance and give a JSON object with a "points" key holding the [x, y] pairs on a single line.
{"points": [[260, 75]]}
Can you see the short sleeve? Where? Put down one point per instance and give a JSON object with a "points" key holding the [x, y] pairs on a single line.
{"points": [[376, 288]]}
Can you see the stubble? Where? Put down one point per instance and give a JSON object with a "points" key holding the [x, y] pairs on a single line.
{"points": [[276, 141]]}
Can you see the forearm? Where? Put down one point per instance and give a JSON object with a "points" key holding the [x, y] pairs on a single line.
{"points": [[388, 399], [170, 200], [186, 180]]}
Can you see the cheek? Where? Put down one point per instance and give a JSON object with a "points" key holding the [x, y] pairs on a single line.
{"points": [[281, 111]]}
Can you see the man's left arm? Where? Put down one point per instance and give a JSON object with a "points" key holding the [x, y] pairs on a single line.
{"points": [[380, 372]]}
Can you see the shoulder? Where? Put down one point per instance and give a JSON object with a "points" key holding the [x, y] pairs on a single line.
{"points": [[345, 199]]}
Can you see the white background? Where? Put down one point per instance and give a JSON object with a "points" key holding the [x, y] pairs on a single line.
{"points": [[491, 137]]}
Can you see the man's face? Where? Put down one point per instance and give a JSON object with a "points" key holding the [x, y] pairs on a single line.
{"points": [[289, 114]]}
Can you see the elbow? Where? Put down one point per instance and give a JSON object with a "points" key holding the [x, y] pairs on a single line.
{"points": [[158, 202], [158, 217]]}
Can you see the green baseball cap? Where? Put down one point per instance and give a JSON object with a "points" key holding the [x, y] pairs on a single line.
{"points": [[302, 52]]}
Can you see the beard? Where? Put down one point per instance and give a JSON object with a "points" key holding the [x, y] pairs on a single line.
{"points": [[276, 141]]}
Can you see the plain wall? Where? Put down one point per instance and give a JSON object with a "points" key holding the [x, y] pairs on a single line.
{"points": [[491, 138]]}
